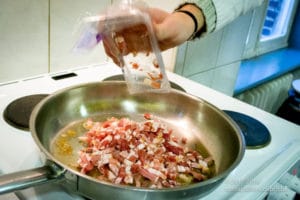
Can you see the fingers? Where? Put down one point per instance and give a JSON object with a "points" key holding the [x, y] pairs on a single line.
{"points": [[111, 51], [136, 38], [133, 39], [157, 15], [174, 30]]}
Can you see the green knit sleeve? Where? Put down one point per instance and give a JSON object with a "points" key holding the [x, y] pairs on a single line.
{"points": [[209, 12]]}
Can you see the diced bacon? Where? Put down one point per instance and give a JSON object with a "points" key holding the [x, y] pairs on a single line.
{"points": [[114, 166], [147, 174], [122, 172], [128, 179], [155, 77], [105, 158], [128, 169], [135, 168], [123, 144], [157, 173], [155, 84], [147, 116], [88, 124], [202, 163], [135, 65], [197, 175], [133, 158], [172, 176], [111, 176], [106, 140], [141, 146], [144, 154], [95, 158], [184, 140], [181, 168], [124, 154], [195, 165], [155, 63], [127, 162], [118, 180], [175, 149]]}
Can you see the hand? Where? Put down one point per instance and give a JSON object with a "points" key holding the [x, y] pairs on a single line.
{"points": [[170, 29]]}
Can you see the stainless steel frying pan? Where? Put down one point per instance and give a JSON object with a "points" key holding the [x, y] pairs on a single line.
{"points": [[199, 121]]}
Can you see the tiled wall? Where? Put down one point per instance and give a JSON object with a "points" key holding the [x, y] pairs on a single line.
{"points": [[214, 60], [37, 37]]}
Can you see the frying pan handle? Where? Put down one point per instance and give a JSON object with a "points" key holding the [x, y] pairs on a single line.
{"points": [[29, 178]]}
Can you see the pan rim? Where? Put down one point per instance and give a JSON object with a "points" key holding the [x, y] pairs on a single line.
{"points": [[218, 177]]}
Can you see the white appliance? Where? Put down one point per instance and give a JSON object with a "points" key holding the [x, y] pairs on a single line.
{"points": [[264, 173]]}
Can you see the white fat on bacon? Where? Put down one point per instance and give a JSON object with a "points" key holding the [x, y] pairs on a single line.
{"points": [[142, 154]]}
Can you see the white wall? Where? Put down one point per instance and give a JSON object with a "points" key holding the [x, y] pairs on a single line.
{"points": [[214, 60], [23, 38], [37, 37], [65, 17]]}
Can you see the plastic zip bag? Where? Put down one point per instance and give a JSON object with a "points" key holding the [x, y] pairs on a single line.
{"points": [[128, 23]]}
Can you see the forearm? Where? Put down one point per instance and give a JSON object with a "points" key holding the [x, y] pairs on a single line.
{"points": [[229, 10]]}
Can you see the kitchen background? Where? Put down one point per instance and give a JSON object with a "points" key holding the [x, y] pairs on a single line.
{"points": [[37, 37]]}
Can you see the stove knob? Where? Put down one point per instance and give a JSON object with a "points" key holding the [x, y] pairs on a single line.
{"points": [[281, 192]]}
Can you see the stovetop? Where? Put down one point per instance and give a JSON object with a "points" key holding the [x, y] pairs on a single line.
{"points": [[252, 179]]}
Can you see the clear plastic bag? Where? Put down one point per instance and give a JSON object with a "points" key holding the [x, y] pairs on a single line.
{"points": [[126, 31]]}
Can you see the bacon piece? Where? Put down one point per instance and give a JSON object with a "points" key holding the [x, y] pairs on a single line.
{"points": [[151, 176], [147, 116], [174, 149], [135, 65], [155, 84], [155, 63], [144, 154], [155, 77]]}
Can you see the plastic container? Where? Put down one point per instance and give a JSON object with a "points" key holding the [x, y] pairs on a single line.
{"points": [[128, 37]]}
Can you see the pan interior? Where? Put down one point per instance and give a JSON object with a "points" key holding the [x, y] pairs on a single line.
{"points": [[65, 145], [204, 126]]}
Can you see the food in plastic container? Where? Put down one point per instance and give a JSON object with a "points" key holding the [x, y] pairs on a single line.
{"points": [[126, 31]]}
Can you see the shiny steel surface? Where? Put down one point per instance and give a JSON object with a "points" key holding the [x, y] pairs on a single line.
{"points": [[202, 123], [199, 121]]}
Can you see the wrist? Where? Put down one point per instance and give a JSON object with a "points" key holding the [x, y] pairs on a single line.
{"points": [[197, 13], [205, 12]]}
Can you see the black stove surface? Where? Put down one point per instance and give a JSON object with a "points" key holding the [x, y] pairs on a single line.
{"points": [[18, 112], [255, 133]]}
